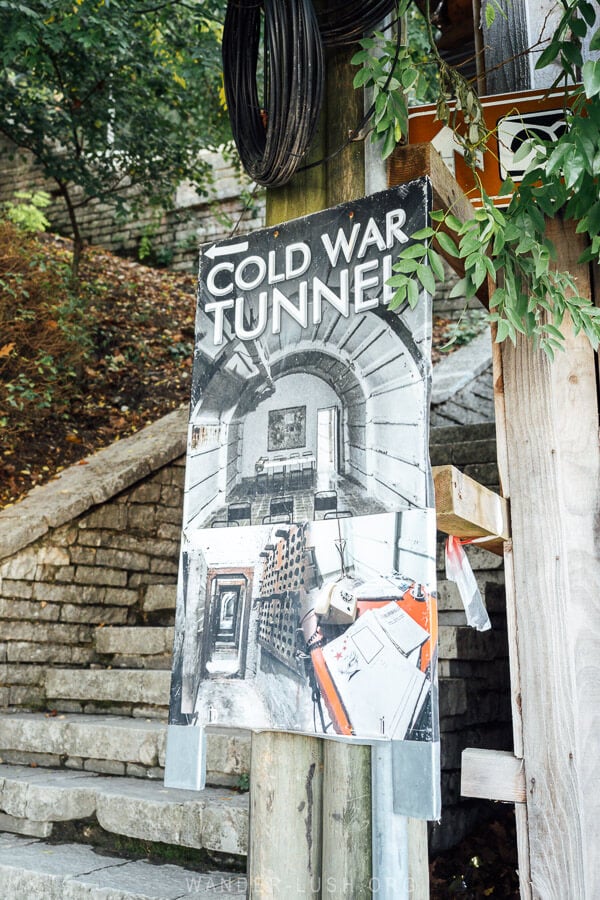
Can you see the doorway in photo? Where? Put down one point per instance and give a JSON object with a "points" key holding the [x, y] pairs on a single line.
{"points": [[327, 444]]}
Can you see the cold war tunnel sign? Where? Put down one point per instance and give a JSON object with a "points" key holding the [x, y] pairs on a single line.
{"points": [[306, 596]]}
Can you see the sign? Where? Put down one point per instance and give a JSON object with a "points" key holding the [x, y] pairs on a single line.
{"points": [[511, 119], [306, 596]]}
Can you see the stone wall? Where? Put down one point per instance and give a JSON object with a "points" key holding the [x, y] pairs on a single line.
{"points": [[97, 547], [171, 238], [474, 674]]}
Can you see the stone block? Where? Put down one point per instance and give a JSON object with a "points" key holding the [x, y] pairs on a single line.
{"points": [[164, 566], [119, 559], [84, 555], [100, 575], [26, 695], [46, 796], [119, 596], [171, 495], [21, 567], [94, 615], [51, 555], [104, 766], [160, 596], [110, 516], [146, 687], [149, 492], [17, 589], [142, 518], [14, 825], [20, 651], [23, 609], [134, 640], [453, 697]]}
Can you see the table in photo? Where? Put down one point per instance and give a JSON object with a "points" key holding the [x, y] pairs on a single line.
{"points": [[283, 469]]}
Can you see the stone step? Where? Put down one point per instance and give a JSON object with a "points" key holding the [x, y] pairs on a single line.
{"points": [[136, 647], [215, 819], [113, 745], [33, 869], [129, 691]]}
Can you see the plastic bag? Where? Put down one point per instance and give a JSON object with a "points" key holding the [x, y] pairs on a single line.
{"points": [[458, 569]]}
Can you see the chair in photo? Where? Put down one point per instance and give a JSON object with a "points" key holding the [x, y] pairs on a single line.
{"points": [[324, 502], [284, 518], [338, 514], [294, 474], [281, 506], [261, 483], [307, 477], [278, 480], [238, 512]]}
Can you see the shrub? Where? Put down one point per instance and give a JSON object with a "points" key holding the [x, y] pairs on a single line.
{"points": [[43, 333]]}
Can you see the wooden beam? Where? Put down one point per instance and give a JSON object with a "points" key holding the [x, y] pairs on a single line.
{"points": [[467, 509], [286, 791], [414, 160], [492, 775], [547, 420]]}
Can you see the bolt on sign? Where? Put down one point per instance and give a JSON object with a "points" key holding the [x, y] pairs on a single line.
{"points": [[510, 119], [306, 597]]}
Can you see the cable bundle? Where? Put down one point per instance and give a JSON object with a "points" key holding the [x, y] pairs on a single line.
{"points": [[347, 22], [272, 142]]}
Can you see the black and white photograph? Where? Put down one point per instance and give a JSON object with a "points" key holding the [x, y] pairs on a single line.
{"points": [[326, 626]]}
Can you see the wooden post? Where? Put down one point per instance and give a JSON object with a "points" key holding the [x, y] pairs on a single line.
{"points": [[286, 788], [548, 424], [279, 848], [547, 435]]}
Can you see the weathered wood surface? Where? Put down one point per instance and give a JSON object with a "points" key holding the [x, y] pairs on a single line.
{"points": [[492, 775], [286, 791], [347, 862], [550, 432], [467, 509], [413, 160]]}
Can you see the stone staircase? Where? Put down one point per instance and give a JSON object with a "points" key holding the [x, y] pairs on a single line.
{"points": [[88, 571], [82, 795]]}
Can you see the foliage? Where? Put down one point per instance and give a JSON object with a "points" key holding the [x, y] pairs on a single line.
{"points": [[510, 248], [397, 73], [122, 351], [26, 210], [110, 95], [44, 337]]}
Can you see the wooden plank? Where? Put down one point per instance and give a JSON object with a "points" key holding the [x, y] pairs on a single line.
{"points": [[347, 858], [413, 160], [492, 775], [418, 860], [551, 425], [286, 787], [467, 509]]}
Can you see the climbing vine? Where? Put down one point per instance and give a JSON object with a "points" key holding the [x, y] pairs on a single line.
{"points": [[508, 248]]}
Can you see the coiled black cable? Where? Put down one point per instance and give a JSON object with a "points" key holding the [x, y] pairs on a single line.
{"points": [[272, 142], [346, 23]]}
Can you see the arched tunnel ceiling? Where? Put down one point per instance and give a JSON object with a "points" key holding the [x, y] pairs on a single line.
{"points": [[372, 350]]}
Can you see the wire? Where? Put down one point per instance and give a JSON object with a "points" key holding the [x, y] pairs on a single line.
{"points": [[346, 23], [272, 142]]}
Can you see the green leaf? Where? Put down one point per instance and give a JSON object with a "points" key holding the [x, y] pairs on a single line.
{"points": [[423, 233], [389, 143], [591, 77], [595, 41], [425, 276], [412, 294], [414, 251], [490, 15], [446, 243], [437, 266], [361, 78]]}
